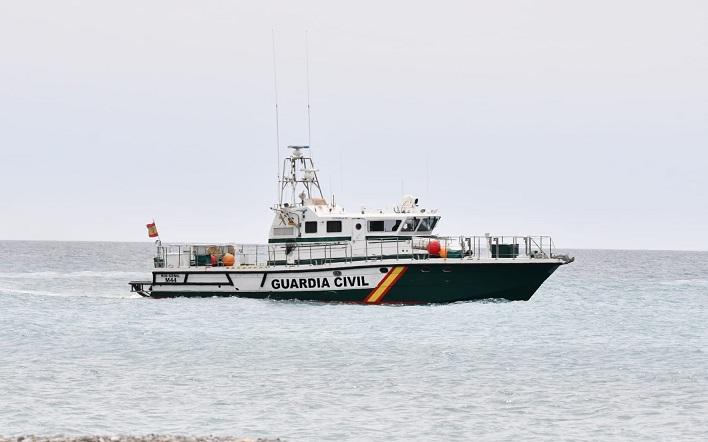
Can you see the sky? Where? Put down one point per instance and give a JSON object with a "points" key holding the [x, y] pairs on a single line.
{"points": [[584, 120]]}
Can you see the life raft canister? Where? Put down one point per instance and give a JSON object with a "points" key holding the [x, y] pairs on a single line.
{"points": [[214, 261]]}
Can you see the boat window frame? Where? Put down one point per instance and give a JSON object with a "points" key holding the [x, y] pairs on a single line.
{"points": [[331, 223], [415, 220], [429, 222], [387, 225], [308, 225], [377, 221]]}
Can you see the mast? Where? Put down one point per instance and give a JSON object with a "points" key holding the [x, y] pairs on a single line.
{"points": [[299, 181]]}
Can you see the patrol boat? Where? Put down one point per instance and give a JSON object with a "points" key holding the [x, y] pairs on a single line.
{"points": [[317, 251]]}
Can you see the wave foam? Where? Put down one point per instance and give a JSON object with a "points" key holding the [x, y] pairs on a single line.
{"points": [[72, 275]]}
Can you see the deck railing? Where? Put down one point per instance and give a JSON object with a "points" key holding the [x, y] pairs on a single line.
{"points": [[317, 253]]}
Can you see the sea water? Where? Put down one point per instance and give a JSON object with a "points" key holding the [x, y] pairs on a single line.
{"points": [[613, 346]]}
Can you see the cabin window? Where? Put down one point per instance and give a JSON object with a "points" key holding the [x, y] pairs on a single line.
{"points": [[427, 224], [311, 227], [376, 226], [388, 225], [424, 225], [410, 224], [334, 226]]}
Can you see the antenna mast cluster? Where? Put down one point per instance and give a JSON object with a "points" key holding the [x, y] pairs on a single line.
{"points": [[289, 176]]}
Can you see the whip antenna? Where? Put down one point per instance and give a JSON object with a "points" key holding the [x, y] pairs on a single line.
{"points": [[277, 122], [307, 80]]}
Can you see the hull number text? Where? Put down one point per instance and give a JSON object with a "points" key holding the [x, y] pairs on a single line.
{"points": [[169, 277]]}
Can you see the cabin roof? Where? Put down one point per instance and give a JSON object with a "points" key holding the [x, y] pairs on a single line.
{"points": [[324, 212]]}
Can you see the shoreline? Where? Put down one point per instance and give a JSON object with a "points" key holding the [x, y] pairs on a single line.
{"points": [[132, 438]]}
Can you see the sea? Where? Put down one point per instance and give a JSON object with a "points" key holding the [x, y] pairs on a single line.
{"points": [[612, 347]]}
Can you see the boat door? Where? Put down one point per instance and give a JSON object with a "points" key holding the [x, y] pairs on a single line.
{"points": [[358, 229]]}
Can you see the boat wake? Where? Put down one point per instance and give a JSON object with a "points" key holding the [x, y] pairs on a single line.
{"points": [[92, 284], [5, 290], [71, 275], [15, 291]]}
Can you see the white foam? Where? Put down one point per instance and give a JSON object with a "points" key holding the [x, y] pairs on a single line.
{"points": [[16, 291], [72, 275], [4, 290]]}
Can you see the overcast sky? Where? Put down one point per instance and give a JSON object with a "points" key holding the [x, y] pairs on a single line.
{"points": [[586, 120]]}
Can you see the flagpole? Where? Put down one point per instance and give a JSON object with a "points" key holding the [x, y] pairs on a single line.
{"points": [[159, 241]]}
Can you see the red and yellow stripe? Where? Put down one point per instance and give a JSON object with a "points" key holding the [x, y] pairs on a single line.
{"points": [[386, 284]]}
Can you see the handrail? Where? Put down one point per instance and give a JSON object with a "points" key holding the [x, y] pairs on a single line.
{"points": [[314, 253]]}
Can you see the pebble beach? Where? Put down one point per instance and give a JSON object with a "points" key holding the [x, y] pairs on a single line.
{"points": [[147, 438]]}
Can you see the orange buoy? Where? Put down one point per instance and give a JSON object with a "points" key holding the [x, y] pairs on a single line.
{"points": [[443, 252], [228, 260], [434, 247]]}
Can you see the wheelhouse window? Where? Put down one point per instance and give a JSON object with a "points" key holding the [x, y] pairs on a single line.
{"points": [[427, 224], [388, 225], [334, 226], [410, 224], [310, 226]]}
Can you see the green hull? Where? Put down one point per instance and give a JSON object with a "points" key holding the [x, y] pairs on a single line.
{"points": [[422, 284]]}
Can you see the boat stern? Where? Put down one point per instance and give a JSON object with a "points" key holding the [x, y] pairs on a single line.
{"points": [[139, 287]]}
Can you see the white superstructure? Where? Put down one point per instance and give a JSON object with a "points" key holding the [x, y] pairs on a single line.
{"points": [[303, 215]]}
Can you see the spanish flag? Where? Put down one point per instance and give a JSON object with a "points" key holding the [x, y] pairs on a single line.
{"points": [[152, 230]]}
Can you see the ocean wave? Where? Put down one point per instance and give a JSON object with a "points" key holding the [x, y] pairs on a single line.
{"points": [[72, 275], [686, 282]]}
